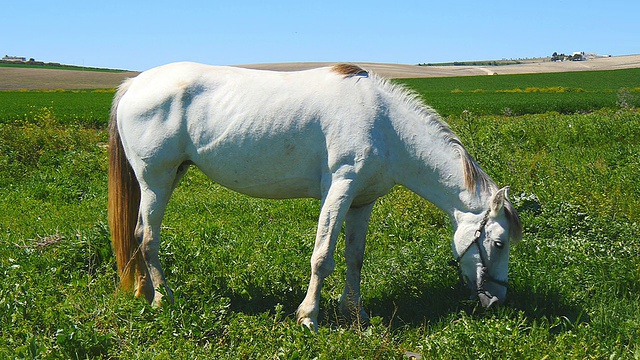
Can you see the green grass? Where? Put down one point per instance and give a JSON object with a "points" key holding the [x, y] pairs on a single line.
{"points": [[80, 107], [239, 266], [565, 93]]}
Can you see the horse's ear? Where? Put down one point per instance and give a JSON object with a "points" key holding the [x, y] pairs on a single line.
{"points": [[457, 214], [497, 202]]}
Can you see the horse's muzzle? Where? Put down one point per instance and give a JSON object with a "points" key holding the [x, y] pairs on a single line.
{"points": [[490, 293], [487, 300]]}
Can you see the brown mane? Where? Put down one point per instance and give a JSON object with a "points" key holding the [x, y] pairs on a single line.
{"points": [[475, 178], [348, 70], [515, 225]]}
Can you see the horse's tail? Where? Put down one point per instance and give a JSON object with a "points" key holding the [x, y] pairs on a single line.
{"points": [[124, 201]]}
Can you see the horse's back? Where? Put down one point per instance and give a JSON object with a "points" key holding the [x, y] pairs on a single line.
{"points": [[269, 134]]}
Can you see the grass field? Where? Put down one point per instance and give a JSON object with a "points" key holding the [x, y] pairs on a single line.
{"points": [[239, 266], [566, 93], [80, 107]]}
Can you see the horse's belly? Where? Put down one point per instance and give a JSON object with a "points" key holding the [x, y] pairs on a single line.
{"points": [[258, 184], [280, 189], [277, 171]]}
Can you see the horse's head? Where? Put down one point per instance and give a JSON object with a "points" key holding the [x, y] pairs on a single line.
{"points": [[481, 247]]}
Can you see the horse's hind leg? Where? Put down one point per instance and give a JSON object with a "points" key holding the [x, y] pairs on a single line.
{"points": [[156, 190], [356, 223]]}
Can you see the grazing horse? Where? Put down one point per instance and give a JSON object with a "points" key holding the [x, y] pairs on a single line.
{"points": [[338, 134]]}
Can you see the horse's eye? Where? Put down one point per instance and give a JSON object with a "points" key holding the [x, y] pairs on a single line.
{"points": [[499, 244]]}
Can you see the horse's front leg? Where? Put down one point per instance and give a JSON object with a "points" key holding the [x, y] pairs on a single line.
{"points": [[356, 223], [332, 214]]}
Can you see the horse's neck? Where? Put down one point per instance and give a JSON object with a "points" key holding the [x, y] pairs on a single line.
{"points": [[432, 168]]}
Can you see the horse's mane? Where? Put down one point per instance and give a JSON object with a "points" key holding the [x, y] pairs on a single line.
{"points": [[475, 179], [349, 70]]}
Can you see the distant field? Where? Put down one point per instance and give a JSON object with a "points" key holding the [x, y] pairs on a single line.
{"points": [[87, 108], [55, 66], [37, 78], [18, 78], [565, 93], [403, 71]]}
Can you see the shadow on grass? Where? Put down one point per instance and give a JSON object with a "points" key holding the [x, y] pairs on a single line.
{"points": [[435, 303], [429, 304], [254, 300], [546, 304]]}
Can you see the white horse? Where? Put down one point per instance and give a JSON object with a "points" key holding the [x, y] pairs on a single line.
{"points": [[338, 134]]}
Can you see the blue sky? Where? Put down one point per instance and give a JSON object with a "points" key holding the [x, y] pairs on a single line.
{"points": [[139, 35]]}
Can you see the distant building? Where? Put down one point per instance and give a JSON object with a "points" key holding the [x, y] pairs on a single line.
{"points": [[14, 58], [579, 56]]}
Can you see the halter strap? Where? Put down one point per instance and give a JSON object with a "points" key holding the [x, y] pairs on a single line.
{"points": [[476, 238], [476, 241]]}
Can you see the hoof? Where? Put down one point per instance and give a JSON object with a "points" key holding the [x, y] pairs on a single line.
{"points": [[145, 290], [162, 295], [488, 301], [354, 314], [309, 323]]}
